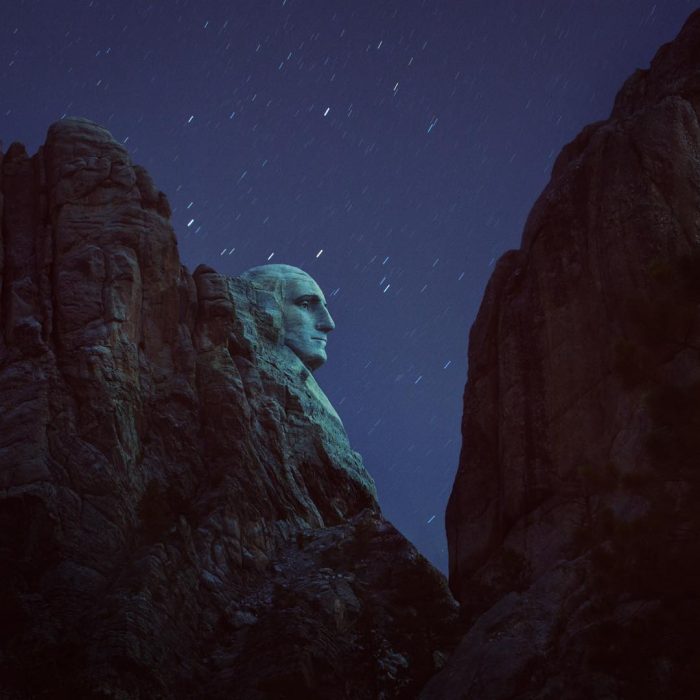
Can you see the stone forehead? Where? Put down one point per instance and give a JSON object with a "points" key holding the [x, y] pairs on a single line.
{"points": [[274, 277], [275, 270]]}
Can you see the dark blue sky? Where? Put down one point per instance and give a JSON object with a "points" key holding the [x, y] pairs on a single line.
{"points": [[406, 140]]}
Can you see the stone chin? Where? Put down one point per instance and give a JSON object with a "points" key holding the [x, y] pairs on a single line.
{"points": [[312, 359]]}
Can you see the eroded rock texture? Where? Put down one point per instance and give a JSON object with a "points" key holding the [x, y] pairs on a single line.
{"points": [[181, 514], [574, 524]]}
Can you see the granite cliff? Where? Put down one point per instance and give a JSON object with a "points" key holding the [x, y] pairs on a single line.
{"points": [[573, 524], [181, 514]]}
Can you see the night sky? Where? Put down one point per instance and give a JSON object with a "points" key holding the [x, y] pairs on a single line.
{"points": [[391, 149]]}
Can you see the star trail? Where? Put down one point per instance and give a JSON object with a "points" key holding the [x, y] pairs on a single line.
{"points": [[391, 149]]}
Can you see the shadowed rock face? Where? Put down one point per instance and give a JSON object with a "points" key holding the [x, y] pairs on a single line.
{"points": [[573, 522], [181, 514]]}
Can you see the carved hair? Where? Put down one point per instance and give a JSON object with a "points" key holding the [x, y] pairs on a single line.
{"points": [[272, 278]]}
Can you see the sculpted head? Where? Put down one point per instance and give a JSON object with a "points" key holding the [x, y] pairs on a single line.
{"points": [[305, 315]]}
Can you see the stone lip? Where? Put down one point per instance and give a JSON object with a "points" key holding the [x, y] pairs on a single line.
{"points": [[574, 511], [182, 514]]}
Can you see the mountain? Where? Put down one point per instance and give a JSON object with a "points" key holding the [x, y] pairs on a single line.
{"points": [[573, 524], [181, 514]]}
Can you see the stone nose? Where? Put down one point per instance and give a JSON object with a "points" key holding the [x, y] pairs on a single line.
{"points": [[325, 321]]}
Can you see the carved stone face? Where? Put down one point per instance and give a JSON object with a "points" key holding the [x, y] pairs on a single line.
{"points": [[307, 321], [305, 315]]}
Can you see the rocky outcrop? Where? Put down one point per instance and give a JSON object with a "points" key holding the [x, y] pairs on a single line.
{"points": [[181, 513], [573, 522]]}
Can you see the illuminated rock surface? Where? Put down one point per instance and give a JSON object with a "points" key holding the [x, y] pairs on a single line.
{"points": [[181, 513]]}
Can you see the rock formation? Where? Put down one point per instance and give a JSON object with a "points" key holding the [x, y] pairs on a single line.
{"points": [[573, 523], [181, 513]]}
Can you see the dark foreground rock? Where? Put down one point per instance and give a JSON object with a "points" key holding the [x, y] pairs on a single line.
{"points": [[573, 524], [181, 514]]}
